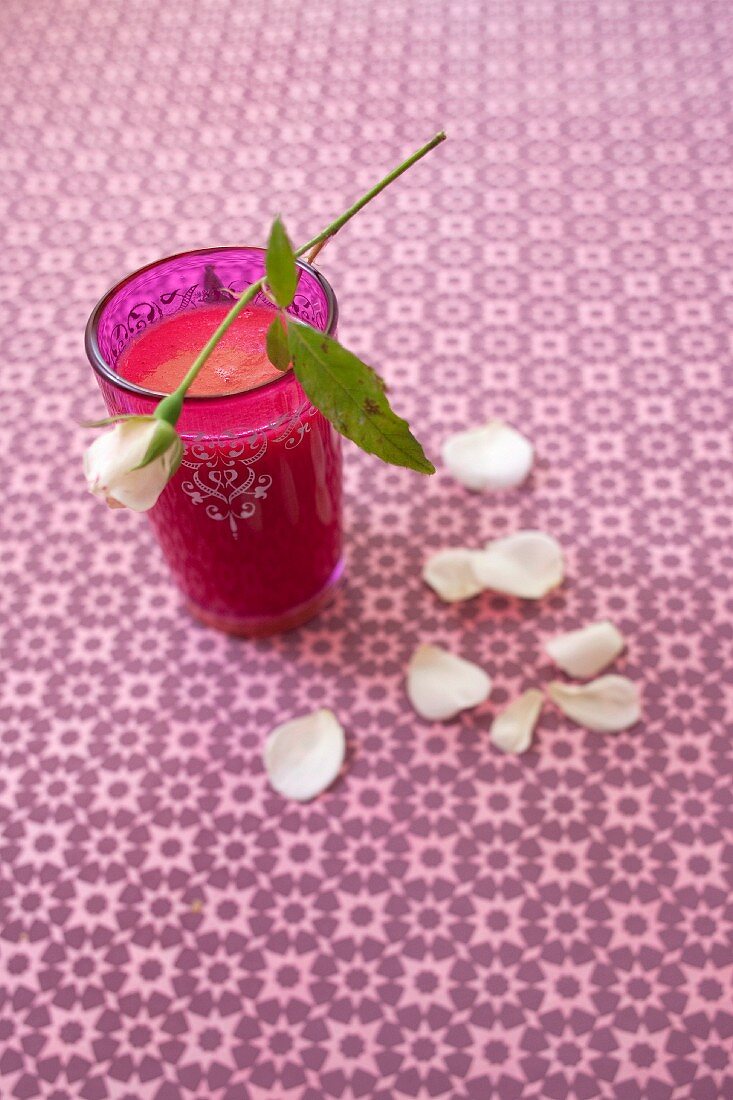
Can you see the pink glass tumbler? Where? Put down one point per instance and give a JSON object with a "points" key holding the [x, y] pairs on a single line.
{"points": [[251, 524]]}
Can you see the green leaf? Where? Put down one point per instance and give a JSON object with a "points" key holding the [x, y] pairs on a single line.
{"points": [[352, 396], [112, 420], [280, 266], [278, 351]]}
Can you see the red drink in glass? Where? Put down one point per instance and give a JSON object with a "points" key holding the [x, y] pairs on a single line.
{"points": [[251, 523], [159, 358]]}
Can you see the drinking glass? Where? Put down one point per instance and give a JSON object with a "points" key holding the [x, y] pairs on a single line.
{"points": [[251, 523]]}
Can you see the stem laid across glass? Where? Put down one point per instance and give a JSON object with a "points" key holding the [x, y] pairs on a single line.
{"points": [[170, 407]]}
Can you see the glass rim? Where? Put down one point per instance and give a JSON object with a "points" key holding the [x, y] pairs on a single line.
{"points": [[103, 368]]}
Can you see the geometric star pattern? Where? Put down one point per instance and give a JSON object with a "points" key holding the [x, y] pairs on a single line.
{"points": [[446, 921]]}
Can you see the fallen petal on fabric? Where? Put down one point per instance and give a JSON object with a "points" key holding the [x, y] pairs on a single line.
{"points": [[450, 573], [512, 729], [528, 564], [440, 685], [304, 756], [494, 456], [586, 652], [608, 705]]}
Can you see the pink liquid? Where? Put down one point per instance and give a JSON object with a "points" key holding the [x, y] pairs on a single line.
{"points": [[251, 522], [163, 354]]}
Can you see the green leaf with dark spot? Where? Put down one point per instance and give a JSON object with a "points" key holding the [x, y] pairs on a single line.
{"points": [[280, 267], [352, 396], [278, 351]]}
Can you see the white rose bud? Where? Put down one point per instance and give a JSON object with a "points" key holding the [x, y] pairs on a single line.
{"points": [[130, 465]]}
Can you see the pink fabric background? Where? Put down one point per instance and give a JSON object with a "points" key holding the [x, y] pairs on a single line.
{"points": [[446, 921]]}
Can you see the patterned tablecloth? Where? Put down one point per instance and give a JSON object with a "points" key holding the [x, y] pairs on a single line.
{"points": [[446, 921]]}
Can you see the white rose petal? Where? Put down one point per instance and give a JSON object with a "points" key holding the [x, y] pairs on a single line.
{"points": [[440, 685], [112, 463], [607, 705], [586, 652], [304, 756], [494, 456], [450, 574], [512, 729], [527, 564]]}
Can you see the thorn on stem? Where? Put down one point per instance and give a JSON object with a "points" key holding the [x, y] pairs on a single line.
{"points": [[316, 249]]}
